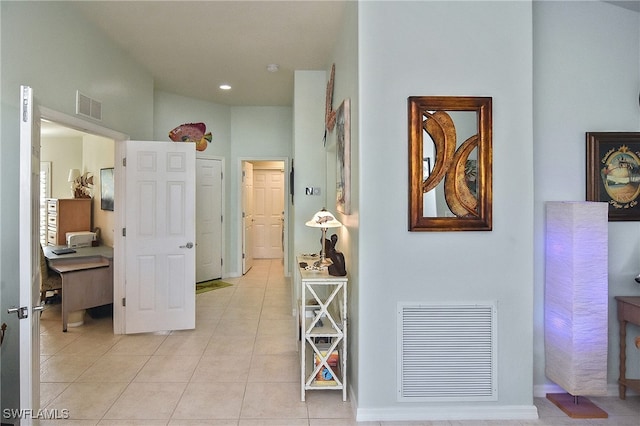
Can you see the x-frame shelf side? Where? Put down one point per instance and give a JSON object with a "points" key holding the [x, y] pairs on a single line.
{"points": [[323, 309]]}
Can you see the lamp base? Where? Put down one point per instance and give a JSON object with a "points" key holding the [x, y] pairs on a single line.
{"points": [[583, 409], [323, 262]]}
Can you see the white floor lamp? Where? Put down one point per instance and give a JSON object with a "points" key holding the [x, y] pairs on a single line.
{"points": [[576, 304]]}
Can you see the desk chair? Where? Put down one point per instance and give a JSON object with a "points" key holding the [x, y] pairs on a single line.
{"points": [[49, 280]]}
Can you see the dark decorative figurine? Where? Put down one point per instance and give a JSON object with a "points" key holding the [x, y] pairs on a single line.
{"points": [[338, 267]]}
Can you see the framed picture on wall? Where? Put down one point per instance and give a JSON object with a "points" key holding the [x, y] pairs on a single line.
{"points": [[343, 153], [613, 172], [106, 189]]}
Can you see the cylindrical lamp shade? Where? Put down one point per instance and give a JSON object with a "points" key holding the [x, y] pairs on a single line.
{"points": [[576, 296]]}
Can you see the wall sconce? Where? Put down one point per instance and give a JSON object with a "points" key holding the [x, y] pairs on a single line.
{"points": [[324, 220]]}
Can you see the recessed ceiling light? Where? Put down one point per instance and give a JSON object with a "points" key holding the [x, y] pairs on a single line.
{"points": [[273, 67], [225, 87]]}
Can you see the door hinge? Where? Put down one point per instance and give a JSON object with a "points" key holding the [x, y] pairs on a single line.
{"points": [[124, 301], [243, 215], [124, 232], [124, 162], [221, 175], [25, 104], [243, 255], [221, 262], [221, 218]]}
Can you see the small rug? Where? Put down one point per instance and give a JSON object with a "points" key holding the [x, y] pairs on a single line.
{"points": [[205, 286]]}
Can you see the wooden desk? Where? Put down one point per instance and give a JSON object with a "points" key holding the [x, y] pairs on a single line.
{"points": [[628, 311], [87, 278]]}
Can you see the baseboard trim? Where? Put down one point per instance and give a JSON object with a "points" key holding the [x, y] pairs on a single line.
{"points": [[448, 412]]}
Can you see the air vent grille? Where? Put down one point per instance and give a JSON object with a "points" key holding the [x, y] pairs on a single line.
{"points": [[447, 352], [88, 107]]}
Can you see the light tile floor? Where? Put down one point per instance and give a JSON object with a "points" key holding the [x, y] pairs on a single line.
{"points": [[239, 367]]}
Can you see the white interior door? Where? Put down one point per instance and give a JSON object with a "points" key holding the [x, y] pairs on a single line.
{"points": [[247, 216], [160, 235], [208, 219], [268, 214], [29, 252]]}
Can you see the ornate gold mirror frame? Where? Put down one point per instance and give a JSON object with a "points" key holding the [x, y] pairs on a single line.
{"points": [[450, 157]]}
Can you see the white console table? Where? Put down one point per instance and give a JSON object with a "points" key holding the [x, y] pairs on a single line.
{"points": [[323, 329]]}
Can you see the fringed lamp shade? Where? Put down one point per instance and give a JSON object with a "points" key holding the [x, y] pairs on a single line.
{"points": [[576, 293]]}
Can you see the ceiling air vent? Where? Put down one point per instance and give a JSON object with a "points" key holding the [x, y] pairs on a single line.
{"points": [[88, 107]]}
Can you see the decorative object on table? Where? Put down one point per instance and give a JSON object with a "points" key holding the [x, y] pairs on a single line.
{"points": [[192, 132], [454, 191], [613, 172], [337, 267], [82, 185], [106, 189], [73, 175], [324, 220], [343, 160], [576, 304]]}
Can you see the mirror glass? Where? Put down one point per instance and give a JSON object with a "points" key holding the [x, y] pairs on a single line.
{"points": [[449, 163]]}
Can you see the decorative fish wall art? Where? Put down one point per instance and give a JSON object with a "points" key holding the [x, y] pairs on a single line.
{"points": [[192, 132]]}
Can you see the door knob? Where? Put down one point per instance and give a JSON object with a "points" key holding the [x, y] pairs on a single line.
{"points": [[22, 312], [188, 245]]}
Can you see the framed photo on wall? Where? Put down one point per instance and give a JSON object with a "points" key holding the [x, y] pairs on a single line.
{"points": [[106, 189], [343, 154], [613, 172]]}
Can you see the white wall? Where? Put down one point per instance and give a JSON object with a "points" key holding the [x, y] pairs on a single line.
{"points": [[586, 70], [48, 46], [455, 49], [310, 157], [345, 57]]}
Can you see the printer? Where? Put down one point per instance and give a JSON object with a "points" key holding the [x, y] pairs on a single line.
{"points": [[80, 239]]}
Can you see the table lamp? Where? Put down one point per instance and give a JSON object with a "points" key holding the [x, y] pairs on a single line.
{"points": [[323, 219], [73, 175]]}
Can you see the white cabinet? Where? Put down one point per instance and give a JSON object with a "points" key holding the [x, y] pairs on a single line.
{"points": [[323, 322]]}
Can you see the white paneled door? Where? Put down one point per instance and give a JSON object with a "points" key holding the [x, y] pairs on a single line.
{"points": [[29, 254], [268, 213], [208, 219], [160, 236]]}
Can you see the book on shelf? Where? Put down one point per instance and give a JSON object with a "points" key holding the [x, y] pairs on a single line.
{"points": [[325, 375]]}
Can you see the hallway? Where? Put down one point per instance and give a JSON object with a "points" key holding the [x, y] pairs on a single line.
{"points": [[240, 366]]}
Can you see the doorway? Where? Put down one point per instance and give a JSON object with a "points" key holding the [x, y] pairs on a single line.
{"points": [[65, 151], [264, 208]]}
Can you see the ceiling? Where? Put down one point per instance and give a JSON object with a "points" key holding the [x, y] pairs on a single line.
{"points": [[192, 47]]}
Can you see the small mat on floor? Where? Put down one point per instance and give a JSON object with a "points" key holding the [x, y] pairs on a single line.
{"points": [[205, 286]]}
